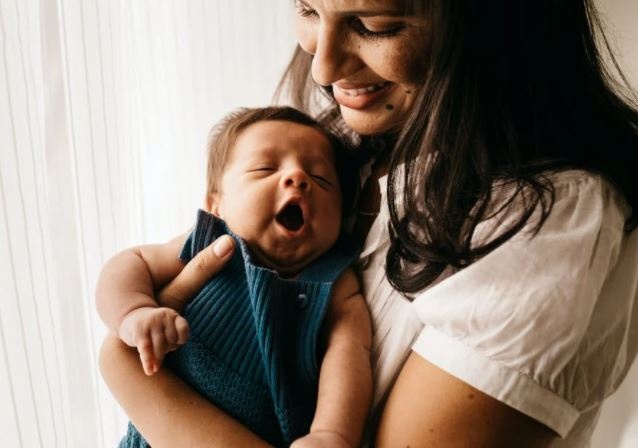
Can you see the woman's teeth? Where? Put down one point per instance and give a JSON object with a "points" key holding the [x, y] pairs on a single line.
{"points": [[369, 89]]}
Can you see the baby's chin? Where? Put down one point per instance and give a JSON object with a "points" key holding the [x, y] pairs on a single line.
{"points": [[286, 266]]}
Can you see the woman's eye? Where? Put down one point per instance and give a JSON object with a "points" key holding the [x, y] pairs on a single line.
{"points": [[357, 24], [361, 29], [304, 11]]}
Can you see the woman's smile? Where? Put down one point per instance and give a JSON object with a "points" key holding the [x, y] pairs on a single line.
{"points": [[360, 96]]}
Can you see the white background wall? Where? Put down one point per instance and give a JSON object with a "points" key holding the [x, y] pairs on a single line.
{"points": [[104, 110]]}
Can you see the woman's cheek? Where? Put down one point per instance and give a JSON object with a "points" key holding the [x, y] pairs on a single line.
{"points": [[416, 55], [306, 36], [409, 64]]}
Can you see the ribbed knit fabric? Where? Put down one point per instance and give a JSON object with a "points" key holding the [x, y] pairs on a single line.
{"points": [[252, 348]]}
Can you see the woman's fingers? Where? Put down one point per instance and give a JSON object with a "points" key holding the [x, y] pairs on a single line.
{"points": [[196, 273]]}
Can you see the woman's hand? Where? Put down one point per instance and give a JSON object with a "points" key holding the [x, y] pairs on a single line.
{"points": [[208, 262], [162, 407], [156, 331]]}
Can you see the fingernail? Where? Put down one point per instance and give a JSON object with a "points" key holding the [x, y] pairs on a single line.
{"points": [[223, 246]]}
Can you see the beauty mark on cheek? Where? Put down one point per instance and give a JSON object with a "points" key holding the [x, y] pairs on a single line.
{"points": [[389, 107]]}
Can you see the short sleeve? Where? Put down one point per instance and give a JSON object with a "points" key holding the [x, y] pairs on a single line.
{"points": [[536, 323]]}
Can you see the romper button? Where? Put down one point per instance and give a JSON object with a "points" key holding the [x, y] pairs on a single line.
{"points": [[303, 300]]}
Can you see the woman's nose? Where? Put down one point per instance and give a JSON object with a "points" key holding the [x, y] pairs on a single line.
{"points": [[296, 178], [332, 60]]}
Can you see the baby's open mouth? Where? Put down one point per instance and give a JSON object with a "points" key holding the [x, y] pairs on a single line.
{"points": [[291, 217]]}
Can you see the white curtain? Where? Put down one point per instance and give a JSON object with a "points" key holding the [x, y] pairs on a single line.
{"points": [[104, 110]]}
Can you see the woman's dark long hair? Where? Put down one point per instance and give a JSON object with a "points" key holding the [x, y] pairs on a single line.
{"points": [[514, 90]]}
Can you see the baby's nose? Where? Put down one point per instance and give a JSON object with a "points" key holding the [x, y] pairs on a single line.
{"points": [[296, 178]]}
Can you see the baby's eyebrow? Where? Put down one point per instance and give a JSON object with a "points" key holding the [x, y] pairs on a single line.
{"points": [[322, 159], [262, 153], [264, 150]]}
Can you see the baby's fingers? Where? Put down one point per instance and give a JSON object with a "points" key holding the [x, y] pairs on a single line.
{"points": [[176, 331], [160, 346], [182, 329], [147, 356]]}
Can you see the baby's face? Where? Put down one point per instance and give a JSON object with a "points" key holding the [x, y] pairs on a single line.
{"points": [[280, 193]]}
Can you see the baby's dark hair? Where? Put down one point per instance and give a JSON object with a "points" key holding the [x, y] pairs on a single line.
{"points": [[224, 135]]}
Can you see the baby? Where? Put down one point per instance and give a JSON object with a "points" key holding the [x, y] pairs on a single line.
{"points": [[280, 338]]}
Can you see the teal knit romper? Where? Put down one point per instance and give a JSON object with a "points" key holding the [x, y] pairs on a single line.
{"points": [[253, 346]]}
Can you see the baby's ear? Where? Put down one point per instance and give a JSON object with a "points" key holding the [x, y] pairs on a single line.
{"points": [[212, 204]]}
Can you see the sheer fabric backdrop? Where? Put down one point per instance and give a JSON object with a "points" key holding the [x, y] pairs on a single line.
{"points": [[105, 107], [104, 110]]}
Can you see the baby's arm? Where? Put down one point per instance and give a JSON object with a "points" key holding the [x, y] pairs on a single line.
{"points": [[345, 382], [126, 300]]}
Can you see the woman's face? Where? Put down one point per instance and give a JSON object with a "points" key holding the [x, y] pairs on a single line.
{"points": [[373, 53]]}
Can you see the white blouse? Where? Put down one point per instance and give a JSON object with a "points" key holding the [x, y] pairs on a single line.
{"points": [[546, 324]]}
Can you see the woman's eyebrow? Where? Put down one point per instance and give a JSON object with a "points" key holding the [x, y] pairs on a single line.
{"points": [[382, 11]]}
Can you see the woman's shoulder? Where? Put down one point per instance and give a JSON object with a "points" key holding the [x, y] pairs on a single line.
{"points": [[586, 202], [576, 182], [569, 257], [574, 199], [548, 312]]}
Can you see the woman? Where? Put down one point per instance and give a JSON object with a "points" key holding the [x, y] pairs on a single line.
{"points": [[503, 298]]}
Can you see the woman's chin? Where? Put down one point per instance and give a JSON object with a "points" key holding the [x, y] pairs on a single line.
{"points": [[373, 121]]}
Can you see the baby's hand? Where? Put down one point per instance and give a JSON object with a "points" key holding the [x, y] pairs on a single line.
{"points": [[155, 332], [321, 439]]}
